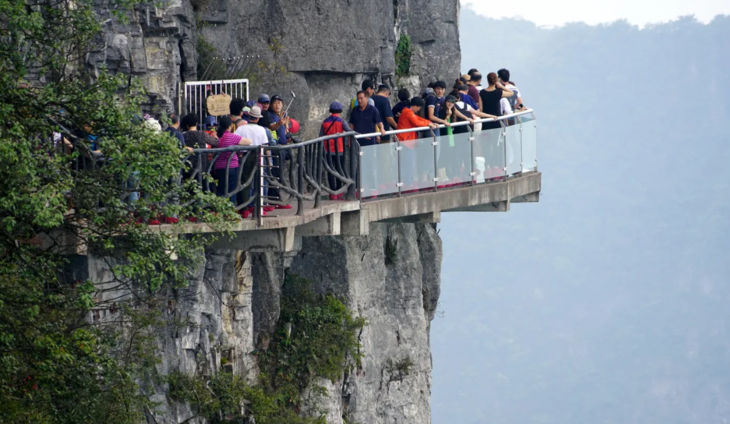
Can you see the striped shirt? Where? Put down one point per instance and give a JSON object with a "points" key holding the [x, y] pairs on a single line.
{"points": [[227, 140]]}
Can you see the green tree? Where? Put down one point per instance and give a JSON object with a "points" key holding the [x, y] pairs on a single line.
{"points": [[57, 364]]}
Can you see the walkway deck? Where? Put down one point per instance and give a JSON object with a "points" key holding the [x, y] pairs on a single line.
{"points": [[281, 228]]}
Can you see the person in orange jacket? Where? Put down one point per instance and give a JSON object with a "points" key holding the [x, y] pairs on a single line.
{"points": [[409, 119]]}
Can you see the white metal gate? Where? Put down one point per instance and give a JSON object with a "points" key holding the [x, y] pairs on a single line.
{"points": [[197, 92]]}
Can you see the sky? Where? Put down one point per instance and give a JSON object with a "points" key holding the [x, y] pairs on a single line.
{"points": [[637, 12]]}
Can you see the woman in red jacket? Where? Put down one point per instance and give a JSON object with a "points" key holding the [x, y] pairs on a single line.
{"points": [[409, 119]]}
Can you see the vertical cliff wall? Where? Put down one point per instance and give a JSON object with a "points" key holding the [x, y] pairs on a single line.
{"points": [[321, 49], [231, 305]]}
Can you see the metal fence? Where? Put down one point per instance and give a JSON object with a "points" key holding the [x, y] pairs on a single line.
{"points": [[196, 93], [490, 150], [337, 167], [279, 175]]}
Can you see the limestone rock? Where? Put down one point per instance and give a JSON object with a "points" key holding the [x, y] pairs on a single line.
{"points": [[320, 49]]}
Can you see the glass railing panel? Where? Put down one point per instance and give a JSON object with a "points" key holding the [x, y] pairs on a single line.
{"points": [[489, 155], [529, 144], [514, 148], [418, 164], [454, 158], [379, 174]]}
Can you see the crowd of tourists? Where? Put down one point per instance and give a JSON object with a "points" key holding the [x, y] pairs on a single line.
{"points": [[370, 113]]}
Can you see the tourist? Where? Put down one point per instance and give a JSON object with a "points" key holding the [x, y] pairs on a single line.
{"points": [[404, 96], [236, 112], [365, 119], [195, 139], [515, 101], [409, 119], [490, 99], [279, 122], [257, 135], [452, 151], [173, 128], [225, 172], [264, 103], [382, 103], [368, 87], [474, 83], [466, 106], [434, 101], [335, 147]]}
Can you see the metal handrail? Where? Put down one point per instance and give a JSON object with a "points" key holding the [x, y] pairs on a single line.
{"points": [[311, 170], [292, 146]]}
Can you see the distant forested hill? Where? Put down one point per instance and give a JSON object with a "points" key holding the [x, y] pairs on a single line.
{"points": [[608, 301]]}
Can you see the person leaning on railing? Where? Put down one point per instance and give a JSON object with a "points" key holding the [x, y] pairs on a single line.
{"points": [[491, 97], [226, 138], [409, 119], [259, 137]]}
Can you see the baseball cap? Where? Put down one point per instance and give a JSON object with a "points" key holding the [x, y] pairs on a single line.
{"points": [[264, 98], [451, 99], [255, 112], [336, 106], [275, 97]]}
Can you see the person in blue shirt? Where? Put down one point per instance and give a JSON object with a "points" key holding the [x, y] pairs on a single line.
{"points": [[365, 119], [382, 103]]}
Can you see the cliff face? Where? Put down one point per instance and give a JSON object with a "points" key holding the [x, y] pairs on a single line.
{"points": [[391, 278], [320, 49]]}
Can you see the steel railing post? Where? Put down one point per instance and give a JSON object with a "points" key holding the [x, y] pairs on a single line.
{"points": [[319, 148], [300, 181], [259, 201], [435, 162], [398, 149], [534, 121], [522, 157], [503, 136], [472, 159]]}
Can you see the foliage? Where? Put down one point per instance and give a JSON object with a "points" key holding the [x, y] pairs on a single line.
{"points": [[316, 337], [403, 56], [57, 364], [221, 397], [399, 369]]}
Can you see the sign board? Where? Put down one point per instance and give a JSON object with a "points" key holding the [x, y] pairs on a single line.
{"points": [[218, 104]]}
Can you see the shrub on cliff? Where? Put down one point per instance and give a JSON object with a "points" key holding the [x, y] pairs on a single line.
{"points": [[316, 337], [59, 360]]}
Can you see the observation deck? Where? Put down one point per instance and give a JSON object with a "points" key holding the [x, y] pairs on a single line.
{"points": [[470, 170]]}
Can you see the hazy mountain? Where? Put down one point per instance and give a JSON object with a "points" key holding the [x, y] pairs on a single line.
{"points": [[608, 301]]}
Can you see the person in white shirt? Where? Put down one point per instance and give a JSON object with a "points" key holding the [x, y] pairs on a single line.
{"points": [[515, 101], [258, 137]]}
